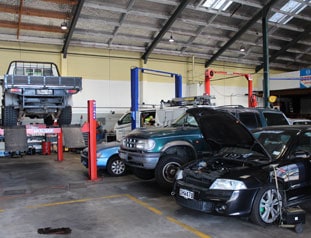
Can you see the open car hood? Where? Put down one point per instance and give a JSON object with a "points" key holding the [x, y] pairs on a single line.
{"points": [[220, 128]]}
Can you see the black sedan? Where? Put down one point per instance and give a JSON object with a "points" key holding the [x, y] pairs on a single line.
{"points": [[238, 177]]}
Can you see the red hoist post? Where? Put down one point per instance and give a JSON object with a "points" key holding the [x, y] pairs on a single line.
{"points": [[209, 74], [90, 127]]}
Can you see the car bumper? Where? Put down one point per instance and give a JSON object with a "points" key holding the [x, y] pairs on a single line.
{"points": [[140, 160], [225, 202], [101, 162], [84, 160]]}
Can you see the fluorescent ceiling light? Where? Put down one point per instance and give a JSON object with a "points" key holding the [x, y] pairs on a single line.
{"points": [[217, 4], [292, 7], [64, 26], [171, 40]]}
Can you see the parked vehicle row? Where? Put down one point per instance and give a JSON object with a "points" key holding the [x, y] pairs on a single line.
{"points": [[182, 137], [216, 164], [162, 116], [160, 152]]}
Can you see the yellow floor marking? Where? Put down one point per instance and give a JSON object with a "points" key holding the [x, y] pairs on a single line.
{"points": [[73, 201], [189, 228], [145, 205], [134, 199]]}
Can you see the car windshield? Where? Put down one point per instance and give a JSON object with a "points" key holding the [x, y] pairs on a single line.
{"points": [[125, 119], [186, 120], [274, 141]]}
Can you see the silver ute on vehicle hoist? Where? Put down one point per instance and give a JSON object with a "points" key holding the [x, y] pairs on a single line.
{"points": [[36, 90]]}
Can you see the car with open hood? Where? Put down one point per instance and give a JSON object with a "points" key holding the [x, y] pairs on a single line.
{"points": [[253, 174]]}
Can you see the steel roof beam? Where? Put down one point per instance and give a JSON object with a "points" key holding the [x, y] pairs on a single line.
{"points": [[72, 27], [286, 47], [165, 28], [241, 32]]}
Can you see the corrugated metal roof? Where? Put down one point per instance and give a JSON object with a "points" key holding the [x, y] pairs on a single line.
{"points": [[146, 26]]}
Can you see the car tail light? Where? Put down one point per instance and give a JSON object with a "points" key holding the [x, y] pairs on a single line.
{"points": [[72, 91], [16, 90]]}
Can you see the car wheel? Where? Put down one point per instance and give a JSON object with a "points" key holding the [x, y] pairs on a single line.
{"points": [[166, 170], [145, 174], [116, 166], [65, 116], [267, 206]]}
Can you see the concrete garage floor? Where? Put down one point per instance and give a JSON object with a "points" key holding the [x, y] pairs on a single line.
{"points": [[36, 191]]}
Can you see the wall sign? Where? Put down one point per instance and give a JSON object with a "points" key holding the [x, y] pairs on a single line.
{"points": [[305, 78]]}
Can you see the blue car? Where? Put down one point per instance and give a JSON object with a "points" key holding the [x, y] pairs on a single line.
{"points": [[107, 158]]}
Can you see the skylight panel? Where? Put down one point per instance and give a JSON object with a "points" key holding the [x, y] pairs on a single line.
{"points": [[217, 4], [291, 6]]}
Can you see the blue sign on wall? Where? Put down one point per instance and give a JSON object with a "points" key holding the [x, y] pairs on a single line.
{"points": [[305, 78]]}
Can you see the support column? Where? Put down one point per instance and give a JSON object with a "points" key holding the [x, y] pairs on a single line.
{"points": [[63, 66], [266, 89]]}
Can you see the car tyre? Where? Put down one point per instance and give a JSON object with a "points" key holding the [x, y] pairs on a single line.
{"points": [[166, 170], [267, 206], [116, 166], [9, 116], [65, 116]]}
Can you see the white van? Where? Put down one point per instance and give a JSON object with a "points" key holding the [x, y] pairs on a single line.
{"points": [[161, 116]]}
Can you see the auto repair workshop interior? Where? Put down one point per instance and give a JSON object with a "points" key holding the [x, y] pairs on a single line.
{"points": [[155, 118]]}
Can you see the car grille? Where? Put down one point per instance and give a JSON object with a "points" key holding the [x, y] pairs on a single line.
{"points": [[198, 205], [129, 143]]}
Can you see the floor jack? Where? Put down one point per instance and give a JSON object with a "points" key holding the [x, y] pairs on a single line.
{"points": [[290, 217]]}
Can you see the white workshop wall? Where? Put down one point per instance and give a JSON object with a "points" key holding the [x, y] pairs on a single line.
{"points": [[283, 81]]}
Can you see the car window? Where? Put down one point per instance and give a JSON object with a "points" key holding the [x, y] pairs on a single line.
{"points": [[304, 143], [250, 120], [186, 120], [125, 119], [275, 142], [302, 122], [275, 119]]}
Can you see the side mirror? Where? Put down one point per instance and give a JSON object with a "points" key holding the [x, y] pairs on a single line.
{"points": [[302, 154]]}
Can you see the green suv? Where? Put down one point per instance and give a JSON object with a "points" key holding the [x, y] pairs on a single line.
{"points": [[152, 152]]}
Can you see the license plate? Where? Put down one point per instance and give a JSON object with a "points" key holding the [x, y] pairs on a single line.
{"points": [[186, 193], [44, 91]]}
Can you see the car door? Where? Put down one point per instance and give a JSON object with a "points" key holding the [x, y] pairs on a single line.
{"points": [[297, 170]]}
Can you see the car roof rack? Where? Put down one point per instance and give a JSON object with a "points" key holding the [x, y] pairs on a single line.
{"points": [[190, 101], [231, 106]]}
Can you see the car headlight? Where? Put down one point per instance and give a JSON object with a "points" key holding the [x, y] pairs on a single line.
{"points": [[228, 184], [179, 174], [145, 144]]}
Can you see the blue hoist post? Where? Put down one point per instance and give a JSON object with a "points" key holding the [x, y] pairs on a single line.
{"points": [[134, 95], [178, 86], [135, 88]]}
